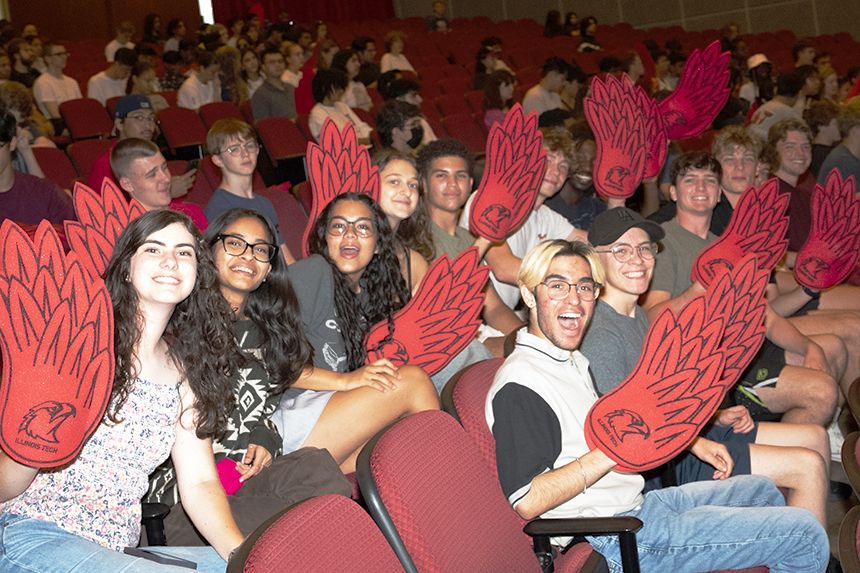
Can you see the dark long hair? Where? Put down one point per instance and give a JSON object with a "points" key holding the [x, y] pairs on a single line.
{"points": [[492, 97], [383, 289], [272, 307], [198, 334], [413, 232]]}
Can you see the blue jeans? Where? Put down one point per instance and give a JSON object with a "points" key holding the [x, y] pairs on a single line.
{"points": [[36, 546], [732, 524]]}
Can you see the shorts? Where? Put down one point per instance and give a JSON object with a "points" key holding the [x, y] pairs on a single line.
{"points": [[688, 468]]}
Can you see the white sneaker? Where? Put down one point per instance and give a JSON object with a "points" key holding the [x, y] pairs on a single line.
{"points": [[836, 438]]}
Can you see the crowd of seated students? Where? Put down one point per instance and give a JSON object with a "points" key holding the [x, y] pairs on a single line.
{"points": [[298, 323]]}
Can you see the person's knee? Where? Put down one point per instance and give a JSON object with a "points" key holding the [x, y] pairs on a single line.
{"points": [[418, 386], [819, 394], [803, 469]]}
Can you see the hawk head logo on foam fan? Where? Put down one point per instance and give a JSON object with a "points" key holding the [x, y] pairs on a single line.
{"points": [[44, 420]]}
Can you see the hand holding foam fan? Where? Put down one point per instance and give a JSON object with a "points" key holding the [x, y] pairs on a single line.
{"points": [[687, 364], [758, 226], [626, 120], [832, 248], [439, 321], [515, 165], [56, 337], [337, 165]]}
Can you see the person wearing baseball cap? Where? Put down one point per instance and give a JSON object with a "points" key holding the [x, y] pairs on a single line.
{"points": [[134, 118], [732, 445], [759, 88], [626, 244]]}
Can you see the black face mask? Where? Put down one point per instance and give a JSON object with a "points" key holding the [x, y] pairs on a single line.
{"points": [[417, 134]]}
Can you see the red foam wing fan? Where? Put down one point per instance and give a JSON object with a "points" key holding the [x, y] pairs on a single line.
{"points": [[618, 123], [686, 366], [614, 107], [56, 338], [832, 248], [439, 321], [515, 164], [701, 93], [338, 165], [758, 226], [101, 219]]}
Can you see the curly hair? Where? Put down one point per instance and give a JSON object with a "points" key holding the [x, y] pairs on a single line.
{"points": [[382, 290], [204, 315], [272, 307], [413, 232]]}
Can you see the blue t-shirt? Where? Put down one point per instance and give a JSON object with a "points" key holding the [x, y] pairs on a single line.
{"points": [[223, 200]]}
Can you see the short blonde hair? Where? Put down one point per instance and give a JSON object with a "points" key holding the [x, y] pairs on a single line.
{"points": [[537, 261]]}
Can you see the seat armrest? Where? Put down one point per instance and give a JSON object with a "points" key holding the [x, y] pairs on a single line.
{"points": [[583, 526]]}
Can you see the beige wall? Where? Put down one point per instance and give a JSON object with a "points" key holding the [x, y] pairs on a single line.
{"points": [[804, 17]]}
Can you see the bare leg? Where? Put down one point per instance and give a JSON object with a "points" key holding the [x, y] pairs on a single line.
{"points": [[795, 457], [803, 395], [352, 417], [846, 326]]}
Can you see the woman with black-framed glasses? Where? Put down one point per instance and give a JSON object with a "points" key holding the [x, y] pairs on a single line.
{"points": [[253, 279]]}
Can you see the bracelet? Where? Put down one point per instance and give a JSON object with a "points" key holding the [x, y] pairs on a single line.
{"points": [[584, 476], [813, 294]]}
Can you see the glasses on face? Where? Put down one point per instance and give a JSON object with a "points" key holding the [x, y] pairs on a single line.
{"points": [[236, 246], [586, 289], [250, 147], [624, 253], [362, 227], [142, 117]]}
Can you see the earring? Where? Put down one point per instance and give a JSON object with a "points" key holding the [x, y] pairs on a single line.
{"points": [[127, 278]]}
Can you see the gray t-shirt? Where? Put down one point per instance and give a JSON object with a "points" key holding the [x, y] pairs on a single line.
{"points": [[222, 200], [676, 259], [843, 160], [450, 245], [613, 344], [313, 280], [269, 101]]}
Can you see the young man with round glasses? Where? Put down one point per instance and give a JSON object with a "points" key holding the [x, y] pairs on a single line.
{"points": [[234, 148], [626, 245], [536, 409]]}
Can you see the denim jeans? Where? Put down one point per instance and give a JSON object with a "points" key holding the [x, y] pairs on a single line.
{"points": [[732, 524], [32, 545]]}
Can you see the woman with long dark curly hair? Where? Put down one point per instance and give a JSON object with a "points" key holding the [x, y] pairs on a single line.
{"points": [[253, 280], [351, 281], [400, 200], [175, 359]]}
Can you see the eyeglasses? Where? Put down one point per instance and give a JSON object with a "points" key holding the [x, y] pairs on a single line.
{"points": [[586, 289], [236, 246], [624, 253], [250, 147], [362, 227], [142, 117]]}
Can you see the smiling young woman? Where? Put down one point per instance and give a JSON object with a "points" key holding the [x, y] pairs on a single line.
{"points": [[351, 281], [253, 279]]}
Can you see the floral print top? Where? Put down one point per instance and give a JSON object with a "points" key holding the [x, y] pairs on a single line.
{"points": [[98, 495]]}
